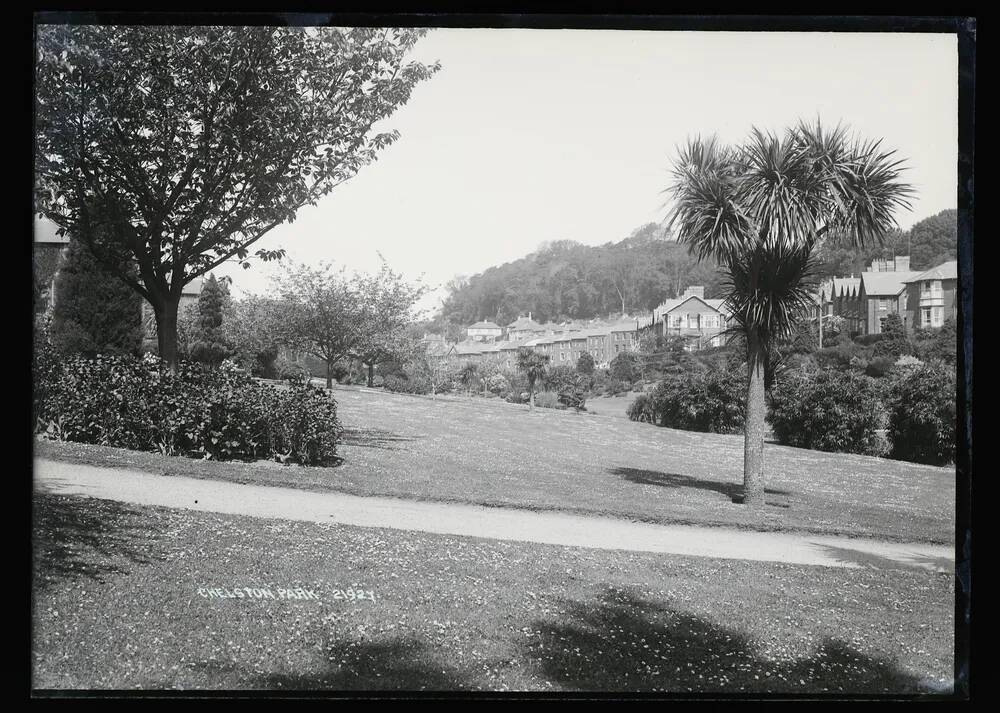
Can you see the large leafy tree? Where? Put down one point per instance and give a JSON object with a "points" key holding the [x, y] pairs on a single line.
{"points": [[760, 209], [322, 312], [388, 305], [252, 328], [92, 312], [175, 149]]}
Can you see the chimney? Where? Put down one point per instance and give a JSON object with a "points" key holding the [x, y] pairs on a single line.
{"points": [[695, 291], [902, 263]]}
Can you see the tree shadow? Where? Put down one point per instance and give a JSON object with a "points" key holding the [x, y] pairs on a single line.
{"points": [[733, 491], [397, 664], [914, 562], [624, 643], [76, 537], [373, 438]]}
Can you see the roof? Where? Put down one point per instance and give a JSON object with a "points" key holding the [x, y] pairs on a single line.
{"points": [[944, 271], [484, 325], [45, 232], [670, 305], [522, 323], [469, 348], [885, 283]]}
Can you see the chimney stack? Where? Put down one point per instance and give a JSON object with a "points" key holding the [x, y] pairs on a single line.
{"points": [[695, 291], [902, 263]]}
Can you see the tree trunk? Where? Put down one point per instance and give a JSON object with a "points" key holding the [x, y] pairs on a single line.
{"points": [[531, 399], [753, 438], [166, 329], [371, 376], [329, 375]]}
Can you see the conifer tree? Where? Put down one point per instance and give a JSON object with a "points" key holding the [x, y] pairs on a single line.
{"points": [[209, 345], [93, 311]]}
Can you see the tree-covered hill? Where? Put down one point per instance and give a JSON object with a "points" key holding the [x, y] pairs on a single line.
{"points": [[567, 280]]}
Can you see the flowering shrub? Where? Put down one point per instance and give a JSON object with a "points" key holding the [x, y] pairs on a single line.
{"points": [[830, 410], [642, 409], [498, 384], [922, 414], [218, 413], [416, 384]]}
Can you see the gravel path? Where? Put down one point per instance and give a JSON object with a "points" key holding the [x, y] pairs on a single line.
{"points": [[469, 520]]}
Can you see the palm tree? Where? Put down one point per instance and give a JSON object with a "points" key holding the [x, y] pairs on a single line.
{"points": [[533, 365], [760, 209], [467, 375]]}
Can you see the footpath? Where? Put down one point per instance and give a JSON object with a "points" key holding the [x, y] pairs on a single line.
{"points": [[141, 488]]}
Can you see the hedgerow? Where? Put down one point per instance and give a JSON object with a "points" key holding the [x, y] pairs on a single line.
{"points": [[221, 413]]}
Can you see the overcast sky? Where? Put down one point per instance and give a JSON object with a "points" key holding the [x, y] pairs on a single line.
{"points": [[533, 135]]}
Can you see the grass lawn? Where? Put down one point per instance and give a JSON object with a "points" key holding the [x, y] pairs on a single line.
{"points": [[117, 605], [488, 452]]}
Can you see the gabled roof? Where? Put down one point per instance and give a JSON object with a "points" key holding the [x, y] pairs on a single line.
{"points": [[885, 283], [670, 305], [484, 325], [944, 271]]}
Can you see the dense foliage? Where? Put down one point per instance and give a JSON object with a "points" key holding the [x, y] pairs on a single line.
{"points": [[176, 148], [708, 400], [829, 410], [94, 312], [218, 413], [923, 415]]}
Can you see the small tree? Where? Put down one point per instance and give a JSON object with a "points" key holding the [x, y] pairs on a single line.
{"points": [[209, 346], [468, 375], [626, 367], [585, 364], [894, 342], [93, 311], [533, 365], [251, 327]]}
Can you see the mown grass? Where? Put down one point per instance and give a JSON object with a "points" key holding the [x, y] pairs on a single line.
{"points": [[487, 452], [116, 605]]}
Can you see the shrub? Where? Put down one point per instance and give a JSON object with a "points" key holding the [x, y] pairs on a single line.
{"points": [[218, 413], [626, 367], [498, 384], [408, 385], [285, 368], [711, 401], [923, 415], [585, 363], [573, 394], [208, 341], [548, 399], [880, 366], [829, 410], [642, 409]]}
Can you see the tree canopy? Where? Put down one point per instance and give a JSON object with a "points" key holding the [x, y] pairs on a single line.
{"points": [[174, 149]]}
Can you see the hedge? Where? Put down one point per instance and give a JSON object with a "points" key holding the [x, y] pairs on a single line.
{"points": [[221, 413]]}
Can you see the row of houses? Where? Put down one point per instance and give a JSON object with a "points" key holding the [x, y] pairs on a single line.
{"points": [[922, 299]]}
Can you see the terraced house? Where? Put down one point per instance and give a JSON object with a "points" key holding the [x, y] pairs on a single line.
{"points": [[932, 297]]}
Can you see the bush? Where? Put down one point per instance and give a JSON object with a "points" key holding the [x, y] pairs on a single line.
{"points": [[626, 367], [548, 399], [407, 385], [880, 366], [498, 385], [710, 401], [829, 410], [285, 368], [922, 414], [642, 409], [218, 413], [573, 394]]}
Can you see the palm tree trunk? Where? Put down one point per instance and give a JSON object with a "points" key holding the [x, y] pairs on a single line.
{"points": [[753, 432], [531, 399]]}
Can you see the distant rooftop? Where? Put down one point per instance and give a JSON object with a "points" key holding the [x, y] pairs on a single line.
{"points": [[485, 325], [944, 271]]}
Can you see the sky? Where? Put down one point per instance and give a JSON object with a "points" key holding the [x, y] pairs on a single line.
{"points": [[526, 136]]}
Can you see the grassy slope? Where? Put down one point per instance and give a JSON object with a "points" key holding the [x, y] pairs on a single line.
{"points": [[116, 606], [492, 453]]}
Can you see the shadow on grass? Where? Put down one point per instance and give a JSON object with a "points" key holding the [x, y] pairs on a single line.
{"points": [[914, 562], [77, 537], [624, 643], [398, 664], [373, 438], [733, 491]]}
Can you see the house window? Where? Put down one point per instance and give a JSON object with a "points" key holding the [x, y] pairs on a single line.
{"points": [[883, 303], [937, 316], [925, 317]]}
